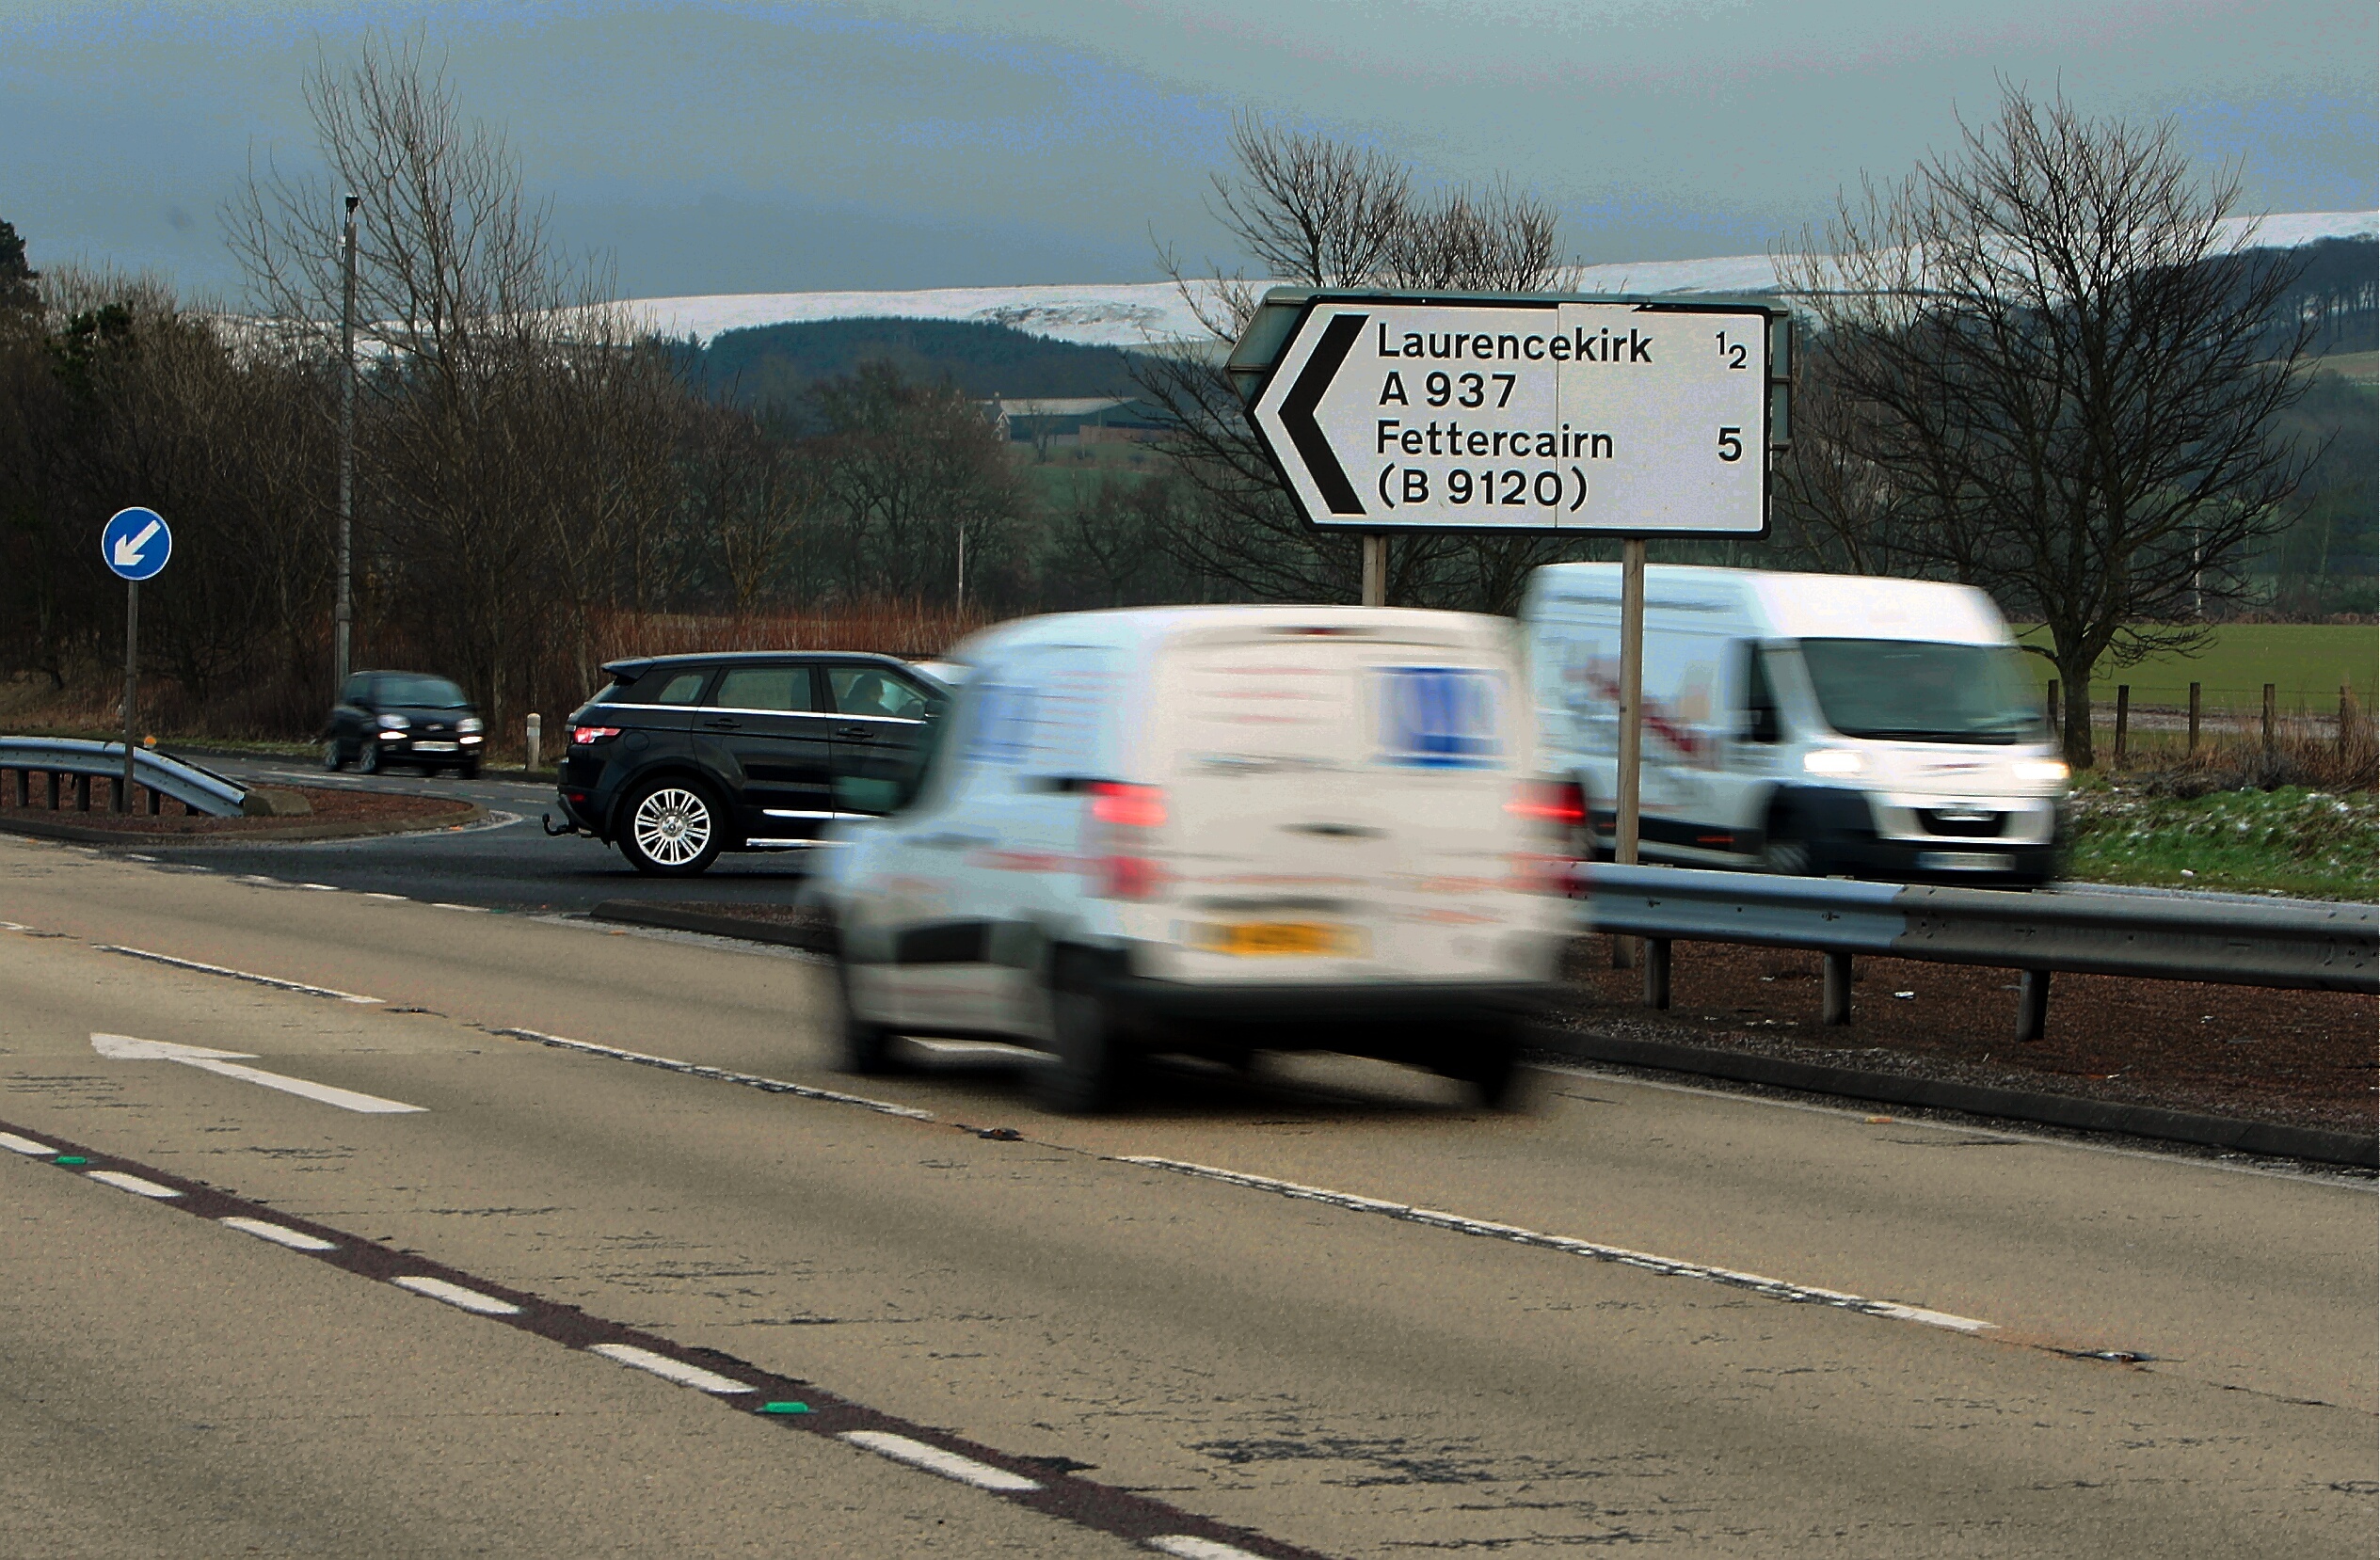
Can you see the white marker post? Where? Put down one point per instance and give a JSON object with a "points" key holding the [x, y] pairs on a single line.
{"points": [[1545, 413]]}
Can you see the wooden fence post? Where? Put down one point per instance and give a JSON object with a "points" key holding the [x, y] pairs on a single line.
{"points": [[2123, 717], [2268, 719], [2347, 715], [2193, 720], [2057, 725]]}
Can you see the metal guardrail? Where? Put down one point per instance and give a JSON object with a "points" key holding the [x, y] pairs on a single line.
{"points": [[2302, 945], [199, 790]]}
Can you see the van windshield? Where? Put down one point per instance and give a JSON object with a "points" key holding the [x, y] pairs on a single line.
{"points": [[1919, 691]]}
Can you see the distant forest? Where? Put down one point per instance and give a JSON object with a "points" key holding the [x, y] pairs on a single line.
{"points": [[776, 366]]}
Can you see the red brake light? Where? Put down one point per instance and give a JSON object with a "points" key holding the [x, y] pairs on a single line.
{"points": [[579, 735], [1560, 803], [1128, 807]]}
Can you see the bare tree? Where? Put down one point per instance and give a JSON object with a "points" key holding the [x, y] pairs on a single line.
{"points": [[2057, 381], [1317, 212]]}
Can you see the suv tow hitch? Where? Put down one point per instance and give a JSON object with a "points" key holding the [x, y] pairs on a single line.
{"points": [[567, 826]]}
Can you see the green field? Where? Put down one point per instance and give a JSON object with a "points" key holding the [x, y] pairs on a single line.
{"points": [[2305, 662]]}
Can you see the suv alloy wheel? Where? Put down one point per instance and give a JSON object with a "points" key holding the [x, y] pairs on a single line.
{"points": [[671, 828]]}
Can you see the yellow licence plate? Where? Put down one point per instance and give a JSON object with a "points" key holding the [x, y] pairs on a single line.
{"points": [[1262, 939]]}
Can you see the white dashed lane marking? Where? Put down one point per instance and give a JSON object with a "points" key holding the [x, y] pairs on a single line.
{"points": [[123, 1181], [668, 1369], [1187, 1547], [273, 981], [934, 1459], [24, 1145], [1775, 1289], [279, 1234], [455, 1295]]}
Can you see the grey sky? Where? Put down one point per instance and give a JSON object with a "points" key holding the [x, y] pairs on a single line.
{"points": [[762, 147]]}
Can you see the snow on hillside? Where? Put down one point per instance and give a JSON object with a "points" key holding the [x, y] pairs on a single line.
{"points": [[1132, 314]]}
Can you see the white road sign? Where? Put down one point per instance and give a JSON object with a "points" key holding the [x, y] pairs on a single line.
{"points": [[1639, 419]]}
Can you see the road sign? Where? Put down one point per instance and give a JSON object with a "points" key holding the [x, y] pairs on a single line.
{"points": [[1633, 417], [136, 543]]}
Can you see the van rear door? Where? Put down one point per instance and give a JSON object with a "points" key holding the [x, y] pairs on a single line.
{"points": [[1336, 804]]}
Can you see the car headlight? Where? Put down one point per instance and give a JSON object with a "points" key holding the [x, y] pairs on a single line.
{"points": [[471, 723], [393, 723], [2042, 771], [1834, 760]]}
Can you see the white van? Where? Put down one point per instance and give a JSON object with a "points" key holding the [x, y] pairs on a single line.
{"points": [[1808, 723], [1215, 830]]}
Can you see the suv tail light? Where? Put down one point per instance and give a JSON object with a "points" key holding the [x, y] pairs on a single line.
{"points": [[1556, 814], [1119, 839], [582, 735]]}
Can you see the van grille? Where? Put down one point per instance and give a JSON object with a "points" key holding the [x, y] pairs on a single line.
{"points": [[1963, 822]]}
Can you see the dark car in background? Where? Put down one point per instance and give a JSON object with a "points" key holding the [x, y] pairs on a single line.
{"points": [[384, 718], [684, 757]]}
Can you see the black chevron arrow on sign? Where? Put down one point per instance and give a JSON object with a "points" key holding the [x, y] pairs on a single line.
{"points": [[1297, 413]]}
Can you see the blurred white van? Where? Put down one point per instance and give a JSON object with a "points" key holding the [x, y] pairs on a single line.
{"points": [[1215, 830], [1808, 723]]}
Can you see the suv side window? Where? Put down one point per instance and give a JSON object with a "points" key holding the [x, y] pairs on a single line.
{"points": [[873, 690], [772, 688]]}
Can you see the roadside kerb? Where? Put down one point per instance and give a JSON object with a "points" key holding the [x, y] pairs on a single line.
{"points": [[2037, 1106]]}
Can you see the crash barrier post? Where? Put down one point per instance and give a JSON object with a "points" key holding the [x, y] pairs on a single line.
{"points": [[2300, 945]]}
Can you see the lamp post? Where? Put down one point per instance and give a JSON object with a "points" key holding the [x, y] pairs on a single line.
{"points": [[344, 614]]}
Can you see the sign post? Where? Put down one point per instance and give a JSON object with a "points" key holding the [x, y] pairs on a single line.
{"points": [[1547, 413], [135, 544]]}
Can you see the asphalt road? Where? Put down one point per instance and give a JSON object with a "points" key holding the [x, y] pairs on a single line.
{"points": [[1326, 1308], [508, 863]]}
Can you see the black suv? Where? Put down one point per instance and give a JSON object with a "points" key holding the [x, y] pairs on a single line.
{"points": [[385, 718], [683, 757]]}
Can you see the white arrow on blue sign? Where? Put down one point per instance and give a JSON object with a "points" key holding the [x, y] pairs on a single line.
{"points": [[136, 543]]}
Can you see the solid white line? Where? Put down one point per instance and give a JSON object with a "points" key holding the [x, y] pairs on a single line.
{"points": [[474, 909], [272, 981], [279, 1234], [134, 1184], [346, 1099], [983, 1475], [455, 1295], [720, 1075], [668, 1369], [24, 1145], [1775, 1289], [1856, 1112], [1187, 1547]]}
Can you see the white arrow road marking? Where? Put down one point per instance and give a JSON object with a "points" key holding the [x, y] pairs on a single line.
{"points": [[934, 1459], [128, 548], [227, 1064], [1187, 1547]]}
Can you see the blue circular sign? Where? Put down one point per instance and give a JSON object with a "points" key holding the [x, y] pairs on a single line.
{"points": [[136, 543]]}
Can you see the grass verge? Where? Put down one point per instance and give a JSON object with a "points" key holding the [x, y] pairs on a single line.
{"points": [[2294, 840]]}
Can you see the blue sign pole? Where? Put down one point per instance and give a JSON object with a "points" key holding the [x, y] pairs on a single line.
{"points": [[134, 544]]}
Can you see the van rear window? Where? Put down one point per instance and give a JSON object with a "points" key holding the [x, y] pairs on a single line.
{"points": [[1325, 703]]}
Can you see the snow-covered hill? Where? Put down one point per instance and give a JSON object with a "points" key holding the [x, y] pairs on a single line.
{"points": [[1132, 314]]}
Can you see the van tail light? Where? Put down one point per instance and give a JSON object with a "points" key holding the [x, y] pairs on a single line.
{"points": [[1555, 814], [582, 735], [1119, 840]]}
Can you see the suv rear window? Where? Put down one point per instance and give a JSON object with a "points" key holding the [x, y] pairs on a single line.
{"points": [[660, 685]]}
